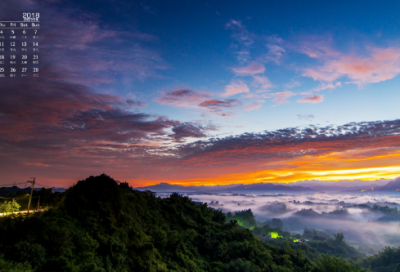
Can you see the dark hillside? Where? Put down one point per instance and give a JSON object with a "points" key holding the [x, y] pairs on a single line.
{"points": [[101, 225]]}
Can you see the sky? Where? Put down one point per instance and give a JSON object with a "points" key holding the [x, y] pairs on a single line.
{"points": [[205, 92]]}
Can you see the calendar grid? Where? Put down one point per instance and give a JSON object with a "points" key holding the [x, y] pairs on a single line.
{"points": [[19, 47]]}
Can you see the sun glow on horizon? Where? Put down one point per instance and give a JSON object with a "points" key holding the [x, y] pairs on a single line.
{"points": [[364, 174]]}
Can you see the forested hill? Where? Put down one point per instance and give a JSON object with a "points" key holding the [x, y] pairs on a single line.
{"points": [[101, 225]]}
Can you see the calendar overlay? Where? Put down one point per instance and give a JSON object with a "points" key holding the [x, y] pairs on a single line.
{"points": [[19, 47]]}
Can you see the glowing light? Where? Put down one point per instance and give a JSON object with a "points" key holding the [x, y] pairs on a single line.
{"points": [[274, 235]]}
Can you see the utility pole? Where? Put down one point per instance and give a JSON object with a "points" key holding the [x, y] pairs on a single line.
{"points": [[30, 197], [38, 204]]}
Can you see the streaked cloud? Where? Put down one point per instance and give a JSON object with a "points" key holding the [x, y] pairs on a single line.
{"points": [[252, 69], [365, 150], [311, 99], [217, 106], [275, 49], [279, 97], [204, 101], [376, 65], [322, 87], [242, 38], [185, 130], [262, 82], [307, 117], [235, 87], [182, 98], [253, 106], [292, 84]]}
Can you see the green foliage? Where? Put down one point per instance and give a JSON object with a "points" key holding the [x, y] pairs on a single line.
{"points": [[385, 210], [12, 266], [101, 225], [244, 218], [318, 243], [339, 238], [9, 207], [388, 260], [47, 197], [327, 263], [275, 223], [315, 235], [265, 230], [240, 265]]}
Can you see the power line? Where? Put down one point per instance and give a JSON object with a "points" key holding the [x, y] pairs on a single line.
{"points": [[43, 185], [12, 184]]}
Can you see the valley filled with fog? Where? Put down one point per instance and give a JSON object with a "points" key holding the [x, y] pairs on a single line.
{"points": [[368, 221]]}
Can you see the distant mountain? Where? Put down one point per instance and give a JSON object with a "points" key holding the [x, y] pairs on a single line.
{"points": [[307, 213], [166, 187], [340, 183], [13, 190], [389, 218], [391, 186], [232, 188], [341, 186], [295, 187], [269, 187]]}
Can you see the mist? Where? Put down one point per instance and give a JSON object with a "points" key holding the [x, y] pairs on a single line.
{"points": [[367, 221]]}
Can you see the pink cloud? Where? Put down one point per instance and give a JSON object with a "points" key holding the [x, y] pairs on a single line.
{"points": [[275, 53], [293, 84], [243, 40], [280, 97], [248, 95], [312, 99], [233, 23], [204, 101], [379, 65], [253, 106], [182, 98], [262, 82], [198, 100], [323, 86], [236, 87], [275, 49], [315, 48], [218, 106], [251, 69]]}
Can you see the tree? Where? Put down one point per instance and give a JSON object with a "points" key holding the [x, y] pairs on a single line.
{"points": [[327, 263], [9, 207], [276, 223], [339, 238]]}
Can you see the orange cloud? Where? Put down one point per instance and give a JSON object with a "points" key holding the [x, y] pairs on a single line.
{"points": [[330, 167], [356, 151]]}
